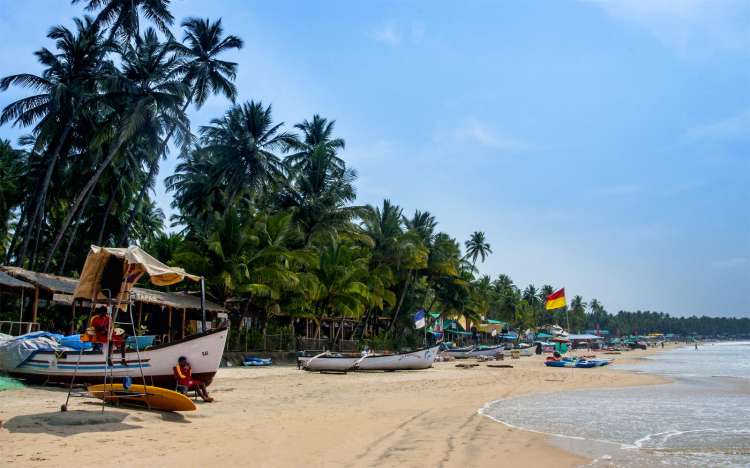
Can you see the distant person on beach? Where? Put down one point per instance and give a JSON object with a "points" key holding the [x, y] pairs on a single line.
{"points": [[662, 345], [696, 346], [184, 375]]}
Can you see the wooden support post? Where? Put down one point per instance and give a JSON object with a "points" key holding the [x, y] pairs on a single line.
{"points": [[36, 304], [169, 326], [140, 314], [182, 334], [73, 317]]}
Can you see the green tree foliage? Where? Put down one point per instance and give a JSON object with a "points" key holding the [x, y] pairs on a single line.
{"points": [[265, 212]]}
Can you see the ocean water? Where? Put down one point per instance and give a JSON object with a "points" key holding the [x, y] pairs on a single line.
{"points": [[702, 419]]}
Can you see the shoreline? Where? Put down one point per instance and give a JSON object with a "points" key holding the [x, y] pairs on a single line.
{"points": [[280, 416]]}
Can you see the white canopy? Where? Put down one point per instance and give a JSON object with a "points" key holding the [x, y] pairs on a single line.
{"points": [[117, 269]]}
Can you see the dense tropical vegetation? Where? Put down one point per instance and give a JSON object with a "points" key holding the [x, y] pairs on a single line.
{"points": [[266, 212]]}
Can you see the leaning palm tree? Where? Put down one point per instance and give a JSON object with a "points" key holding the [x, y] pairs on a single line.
{"points": [[66, 87], [123, 16], [148, 98], [476, 247], [244, 143], [204, 73]]}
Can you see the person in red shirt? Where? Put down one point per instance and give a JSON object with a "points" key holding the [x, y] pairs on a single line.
{"points": [[100, 324], [184, 375]]}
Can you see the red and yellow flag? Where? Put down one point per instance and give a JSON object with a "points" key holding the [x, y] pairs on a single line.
{"points": [[556, 300]]}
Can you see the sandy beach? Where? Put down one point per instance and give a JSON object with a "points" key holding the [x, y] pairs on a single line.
{"points": [[280, 416]]}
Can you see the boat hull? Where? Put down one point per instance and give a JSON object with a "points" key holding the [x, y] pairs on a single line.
{"points": [[458, 353], [416, 360], [488, 352], [203, 351]]}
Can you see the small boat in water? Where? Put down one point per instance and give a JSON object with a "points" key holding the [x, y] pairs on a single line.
{"points": [[334, 362]]}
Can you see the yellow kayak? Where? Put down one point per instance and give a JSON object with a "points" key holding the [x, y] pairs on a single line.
{"points": [[156, 398]]}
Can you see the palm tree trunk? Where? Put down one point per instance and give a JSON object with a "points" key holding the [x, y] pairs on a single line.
{"points": [[42, 192], [79, 198], [19, 225], [75, 229], [108, 207], [151, 174], [400, 301], [38, 235]]}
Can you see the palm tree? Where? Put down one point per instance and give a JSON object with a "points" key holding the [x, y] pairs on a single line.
{"points": [[12, 172], [148, 99], [243, 143], [577, 312], [402, 251], [342, 275], [204, 73], [123, 16], [319, 191], [477, 246], [65, 89], [316, 134], [423, 223]]}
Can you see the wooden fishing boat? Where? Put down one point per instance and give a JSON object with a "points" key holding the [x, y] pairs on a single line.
{"points": [[332, 362], [203, 351], [458, 353], [488, 351]]}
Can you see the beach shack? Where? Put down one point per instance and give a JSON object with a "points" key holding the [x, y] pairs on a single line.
{"points": [[585, 341], [164, 315], [14, 293]]}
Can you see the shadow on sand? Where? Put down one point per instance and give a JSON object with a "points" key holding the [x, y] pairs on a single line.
{"points": [[81, 421], [69, 423]]}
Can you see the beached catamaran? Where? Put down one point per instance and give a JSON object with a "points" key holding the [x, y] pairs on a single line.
{"points": [[107, 278]]}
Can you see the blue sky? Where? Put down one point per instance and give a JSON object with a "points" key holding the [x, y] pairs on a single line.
{"points": [[603, 146]]}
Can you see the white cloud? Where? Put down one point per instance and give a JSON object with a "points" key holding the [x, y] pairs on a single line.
{"points": [[730, 262], [687, 25], [394, 33], [729, 128], [477, 132]]}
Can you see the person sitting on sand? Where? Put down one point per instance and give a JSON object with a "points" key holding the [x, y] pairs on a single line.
{"points": [[555, 357], [184, 375]]}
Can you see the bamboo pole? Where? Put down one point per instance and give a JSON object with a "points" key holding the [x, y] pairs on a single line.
{"points": [[182, 334], [140, 313]]}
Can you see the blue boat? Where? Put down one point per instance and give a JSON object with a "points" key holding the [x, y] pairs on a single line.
{"points": [[251, 361]]}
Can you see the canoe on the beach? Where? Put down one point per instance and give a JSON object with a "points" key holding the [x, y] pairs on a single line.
{"points": [[458, 353], [256, 362], [332, 362], [578, 363], [488, 351], [155, 398], [561, 363]]}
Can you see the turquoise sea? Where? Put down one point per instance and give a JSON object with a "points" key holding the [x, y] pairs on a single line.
{"points": [[701, 419]]}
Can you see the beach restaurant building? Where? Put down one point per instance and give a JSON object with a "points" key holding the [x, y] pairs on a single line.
{"points": [[31, 301]]}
